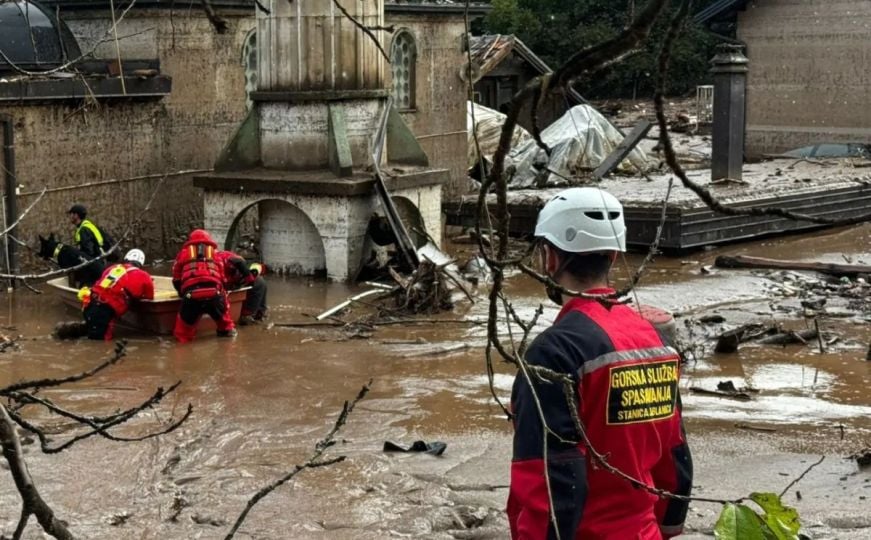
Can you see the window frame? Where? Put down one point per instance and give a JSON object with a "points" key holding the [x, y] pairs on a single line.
{"points": [[405, 33]]}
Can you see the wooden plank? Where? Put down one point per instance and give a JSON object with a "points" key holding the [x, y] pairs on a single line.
{"points": [[623, 149], [834, 269]]}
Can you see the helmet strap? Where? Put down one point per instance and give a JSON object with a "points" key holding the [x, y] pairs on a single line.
{"points": [[552, 293]]}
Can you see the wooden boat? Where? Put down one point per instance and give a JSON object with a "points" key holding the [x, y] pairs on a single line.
{"points": [[158, 315]]}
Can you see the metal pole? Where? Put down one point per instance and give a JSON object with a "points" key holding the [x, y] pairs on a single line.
{"points": [[727, 133], [10, 187]]}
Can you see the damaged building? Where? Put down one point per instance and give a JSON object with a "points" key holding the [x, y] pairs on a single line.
{"points": [[806, 82], [103, 114]]}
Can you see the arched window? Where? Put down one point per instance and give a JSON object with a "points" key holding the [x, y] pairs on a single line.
{"points": [[249, 63], [403, 60]]}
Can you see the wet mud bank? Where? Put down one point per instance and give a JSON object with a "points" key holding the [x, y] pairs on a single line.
{"points": [[263, 400]]}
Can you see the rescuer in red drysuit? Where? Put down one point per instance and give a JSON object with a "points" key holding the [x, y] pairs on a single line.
{"points": [[198, 276], [238, 273], [626, 381], [119, 286]]}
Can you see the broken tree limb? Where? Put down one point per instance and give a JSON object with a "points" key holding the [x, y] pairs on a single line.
{"points": [[314, 461], [788, 338], [728, 341], [832, 269], [32, 503]]}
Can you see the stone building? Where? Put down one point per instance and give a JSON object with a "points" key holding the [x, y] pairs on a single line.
{"points": [[86, 135], [808, 73]]}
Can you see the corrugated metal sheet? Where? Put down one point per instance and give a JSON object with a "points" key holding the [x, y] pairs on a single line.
{"points": [[311, 46]]}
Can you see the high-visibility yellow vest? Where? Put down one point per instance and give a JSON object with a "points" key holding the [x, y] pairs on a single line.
{"points": [[87, 224], [113, 276]]}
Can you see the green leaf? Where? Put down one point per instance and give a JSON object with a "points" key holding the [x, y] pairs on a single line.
{"points": [[740, 522], [782, 520]]}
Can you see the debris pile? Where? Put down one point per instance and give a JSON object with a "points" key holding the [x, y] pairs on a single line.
{"points": [[426, 290], [579, 142]]}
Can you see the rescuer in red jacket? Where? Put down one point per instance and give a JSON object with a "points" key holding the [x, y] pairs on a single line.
{"points": [[627, 396], [119, 286], [238, 273], [198, 277]]}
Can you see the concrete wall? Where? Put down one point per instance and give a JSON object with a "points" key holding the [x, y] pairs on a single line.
{"points": [[809, 79], [439, 118], [340, 225], [87, 152]]}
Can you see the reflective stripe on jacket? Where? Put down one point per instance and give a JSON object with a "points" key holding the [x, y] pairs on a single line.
{"points": [[196, 266], [121, 283], [626, 381], [89, 225]]}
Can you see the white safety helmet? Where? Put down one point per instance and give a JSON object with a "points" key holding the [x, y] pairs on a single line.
{"points": [[135, 256], [582, 220]]}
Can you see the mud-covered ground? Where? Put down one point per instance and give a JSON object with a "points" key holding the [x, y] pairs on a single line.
{"points": [[262, 400]]}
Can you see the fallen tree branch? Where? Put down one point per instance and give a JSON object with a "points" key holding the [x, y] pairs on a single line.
{"points": [[120, 352], [832, 269], [313, 461], [99, 426]]}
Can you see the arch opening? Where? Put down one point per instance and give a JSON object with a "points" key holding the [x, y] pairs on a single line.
{"points": [[281, 235]]}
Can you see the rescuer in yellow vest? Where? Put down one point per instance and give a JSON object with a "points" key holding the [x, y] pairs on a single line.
{"points": [[90, 239]]}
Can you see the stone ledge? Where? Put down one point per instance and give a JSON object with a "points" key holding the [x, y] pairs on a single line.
{"points": [[318, 183]]}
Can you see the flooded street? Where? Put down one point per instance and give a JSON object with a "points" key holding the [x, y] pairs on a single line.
{"points": [[263, 400]]}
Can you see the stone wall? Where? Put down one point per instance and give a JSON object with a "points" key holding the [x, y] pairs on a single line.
{"points": [[439, 117], [111, 156], [809, 80], [97, 153]]}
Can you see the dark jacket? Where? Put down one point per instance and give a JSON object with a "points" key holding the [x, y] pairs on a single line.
{"points": [[627, 383]]}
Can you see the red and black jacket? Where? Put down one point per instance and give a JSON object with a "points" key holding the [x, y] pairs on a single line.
{"points": [[196, 265], [236, 271], [627, 384], [120, 284]]}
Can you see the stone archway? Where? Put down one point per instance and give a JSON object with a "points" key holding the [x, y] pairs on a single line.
{"points": [[289, 240]]}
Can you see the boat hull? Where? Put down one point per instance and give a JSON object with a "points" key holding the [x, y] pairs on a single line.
{"points": [[156, 316]]}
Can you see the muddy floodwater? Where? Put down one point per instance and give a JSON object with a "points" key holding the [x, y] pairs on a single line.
{"points": [[262, 400]]}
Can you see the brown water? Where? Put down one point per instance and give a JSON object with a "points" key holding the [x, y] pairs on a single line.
{"points": [[262, 400]]}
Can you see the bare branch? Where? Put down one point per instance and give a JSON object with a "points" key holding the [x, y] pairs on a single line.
{"points": [[219, 24], [802, 475], [32, 502], [365, 29], [112, 249], [21, 216], [120, 352], [66, 65], [262, 8], [313, 461], [99, 426], [654, 246]]}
